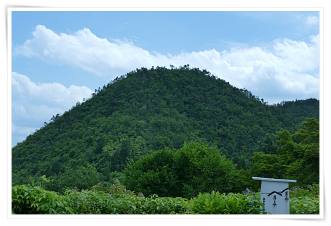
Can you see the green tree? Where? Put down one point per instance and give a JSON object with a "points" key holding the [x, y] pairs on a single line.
{"points": [[193, 169], [294, 160], [267, 166], [201, 168], [301, 159], [153, 174]]}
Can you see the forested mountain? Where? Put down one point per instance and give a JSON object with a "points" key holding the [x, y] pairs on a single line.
{"points": [[149, 109]]}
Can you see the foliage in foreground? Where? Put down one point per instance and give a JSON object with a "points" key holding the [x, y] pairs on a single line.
{"points": [[27, 199], [305, 200], [216, 203]]}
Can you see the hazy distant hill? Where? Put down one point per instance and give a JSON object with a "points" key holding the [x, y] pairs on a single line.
{"points": [[147, 110]]}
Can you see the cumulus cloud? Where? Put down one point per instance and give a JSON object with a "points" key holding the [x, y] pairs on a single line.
{"points": [[298, 56], [289, 69], [33, 104], [51, 94], [84, 50]]}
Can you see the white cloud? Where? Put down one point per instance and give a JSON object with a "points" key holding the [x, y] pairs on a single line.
{"points": [[288, 70], [48, 94], [33, 104], [298, 56], [84, 50], [312, 20]]}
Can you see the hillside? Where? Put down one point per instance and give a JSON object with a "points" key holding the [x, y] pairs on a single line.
{"points": [[147, 110]]}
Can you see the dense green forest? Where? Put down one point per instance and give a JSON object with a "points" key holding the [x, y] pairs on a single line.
{"points": [[156, 110]]}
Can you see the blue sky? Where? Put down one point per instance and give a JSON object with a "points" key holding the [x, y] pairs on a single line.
{"points": [[59, 58]]}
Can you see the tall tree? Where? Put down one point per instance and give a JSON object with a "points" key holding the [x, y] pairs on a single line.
{"points": [[294, 160], [301, 159]]}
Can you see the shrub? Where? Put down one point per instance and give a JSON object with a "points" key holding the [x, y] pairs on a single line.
{"points": [[217, 203], [27, 199], [163, 205], [304, 200], [304, 205], [153, 174]]}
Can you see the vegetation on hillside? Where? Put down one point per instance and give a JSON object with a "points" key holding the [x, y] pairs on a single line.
{"points": [[296, 156], [148, 110], [171, 133]]}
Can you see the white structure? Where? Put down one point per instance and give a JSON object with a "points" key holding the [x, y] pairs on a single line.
{"points": [[275, 195]]}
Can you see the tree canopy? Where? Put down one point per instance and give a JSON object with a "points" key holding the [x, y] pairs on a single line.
{"points": [[186, 172], [297, 156]]}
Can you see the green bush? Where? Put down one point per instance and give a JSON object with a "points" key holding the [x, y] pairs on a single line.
{"points": [[200, 169], [304, 205], [304, 200], [27, 199], [164, 205], [118, 200], [193, 169], [153, 174], [217, 203]]}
